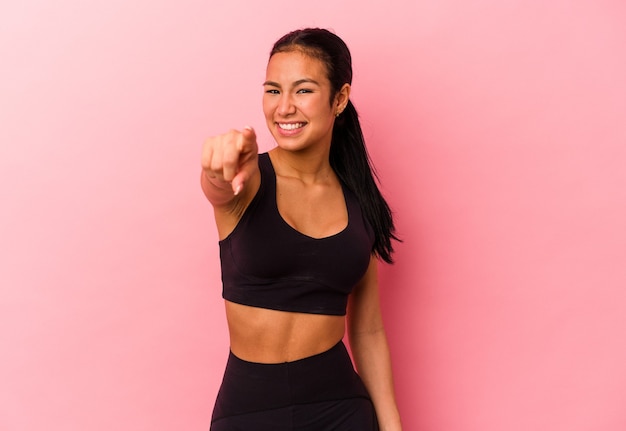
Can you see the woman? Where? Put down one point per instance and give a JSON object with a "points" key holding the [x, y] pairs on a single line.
{"points": [[301, 229]]}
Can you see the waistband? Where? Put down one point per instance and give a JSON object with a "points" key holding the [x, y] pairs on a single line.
{"points": [[338, 350], [251, 386]]}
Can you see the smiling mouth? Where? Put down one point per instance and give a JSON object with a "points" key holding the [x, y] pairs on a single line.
{"points": [[290, 126]]}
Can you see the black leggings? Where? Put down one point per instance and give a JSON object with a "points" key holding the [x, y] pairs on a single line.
{"points": [[318, 393]]}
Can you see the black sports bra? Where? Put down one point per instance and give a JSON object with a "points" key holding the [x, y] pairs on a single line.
{"points": [[267, 263]]}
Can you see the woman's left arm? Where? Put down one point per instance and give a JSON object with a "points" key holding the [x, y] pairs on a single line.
{"points": [[370, 351]]}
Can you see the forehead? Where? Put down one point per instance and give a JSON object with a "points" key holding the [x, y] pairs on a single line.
{"points": [[295, 65]]}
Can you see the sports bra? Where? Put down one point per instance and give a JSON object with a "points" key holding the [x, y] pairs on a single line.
{"points": [[267, 263]]}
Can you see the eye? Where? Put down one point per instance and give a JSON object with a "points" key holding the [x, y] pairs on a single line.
{"points": [[272, 91], [304, 91]]}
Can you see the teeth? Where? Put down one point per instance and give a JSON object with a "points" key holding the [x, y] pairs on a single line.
{"points": [[291, 126]]}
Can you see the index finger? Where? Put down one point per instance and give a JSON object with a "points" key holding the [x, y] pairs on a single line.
{"points": [[230, 158]]}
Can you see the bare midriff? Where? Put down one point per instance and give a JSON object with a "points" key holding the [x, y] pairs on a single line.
{"points": [[272, 337]]}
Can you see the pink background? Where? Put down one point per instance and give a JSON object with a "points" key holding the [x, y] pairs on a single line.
{"points": [[499, 131]]}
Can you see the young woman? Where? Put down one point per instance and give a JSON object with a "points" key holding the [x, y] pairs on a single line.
{"points": [[301, 229]]}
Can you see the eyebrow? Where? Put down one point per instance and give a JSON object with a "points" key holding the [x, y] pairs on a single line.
{"points": [[295, 84]]}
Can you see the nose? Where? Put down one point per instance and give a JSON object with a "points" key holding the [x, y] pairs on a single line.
{"points": [[285, 105]]}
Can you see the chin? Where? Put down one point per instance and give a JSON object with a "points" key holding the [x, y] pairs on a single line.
{"points": [[290, 146], [290, 143]]}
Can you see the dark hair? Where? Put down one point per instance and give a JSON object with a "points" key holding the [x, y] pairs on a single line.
{"points": [[348, 155]]}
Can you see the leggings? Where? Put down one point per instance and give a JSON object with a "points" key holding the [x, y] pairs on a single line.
{"points": [[318, 393]]}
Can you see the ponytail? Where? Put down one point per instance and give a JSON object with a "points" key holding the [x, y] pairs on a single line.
{"points": [[351, 162]]}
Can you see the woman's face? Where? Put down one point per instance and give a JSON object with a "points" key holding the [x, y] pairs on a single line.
{"points": [[296, 101]]}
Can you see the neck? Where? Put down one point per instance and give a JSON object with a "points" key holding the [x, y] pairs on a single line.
{"points": [[307, 166]]}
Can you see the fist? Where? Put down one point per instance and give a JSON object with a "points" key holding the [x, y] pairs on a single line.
{"points": [[231, 157]]}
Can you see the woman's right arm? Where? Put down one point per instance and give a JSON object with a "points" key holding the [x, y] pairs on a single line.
{"points": [[230, 175]]}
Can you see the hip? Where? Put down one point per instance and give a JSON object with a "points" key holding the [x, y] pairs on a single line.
{"points": [[250, 387]]}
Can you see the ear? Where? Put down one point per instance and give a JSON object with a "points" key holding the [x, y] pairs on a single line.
{"points": [[341, 99]]}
